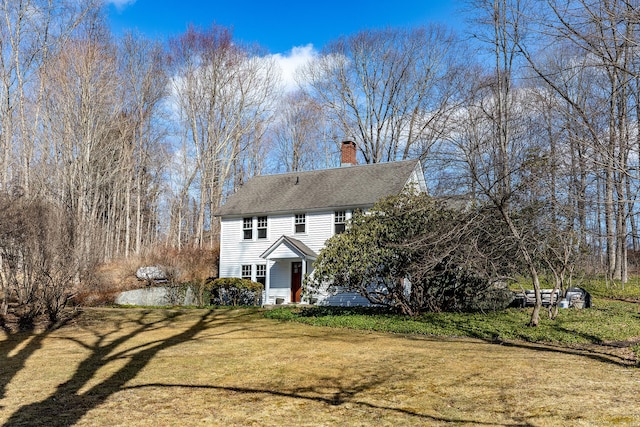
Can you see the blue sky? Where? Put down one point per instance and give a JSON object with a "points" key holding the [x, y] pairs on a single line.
{"points": [[279, 26]]}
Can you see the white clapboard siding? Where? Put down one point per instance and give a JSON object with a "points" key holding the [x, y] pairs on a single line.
{"points": [[319, 229], [235, 251], [280, 276]]}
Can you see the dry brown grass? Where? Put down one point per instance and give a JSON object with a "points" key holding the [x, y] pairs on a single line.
{"points": [[233, 367], [107, 281], [102, 285]]}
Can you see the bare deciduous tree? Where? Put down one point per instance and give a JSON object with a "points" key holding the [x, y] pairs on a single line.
{"points": [[391, 90], [144, 84], [299, 133], [36, 258], [85, 129], [30, 31], [223, 95], [604, 39]]}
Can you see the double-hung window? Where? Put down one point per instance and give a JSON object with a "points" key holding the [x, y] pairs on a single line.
{"points": [[246, 271], [339, 221], [300, 223], [247, 228], [261, 274], [262, 227]]}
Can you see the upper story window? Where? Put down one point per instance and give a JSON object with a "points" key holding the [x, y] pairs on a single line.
{"points": [[339, 221], [262, 227], [261, 273], [247, 228], [246, 271], [300, 223]]}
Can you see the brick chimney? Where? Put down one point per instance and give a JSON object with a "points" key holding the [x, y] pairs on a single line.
{"points": [[348, 153]]}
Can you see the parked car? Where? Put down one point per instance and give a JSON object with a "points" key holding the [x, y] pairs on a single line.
{"points": [[578, 298], [573, 297]]}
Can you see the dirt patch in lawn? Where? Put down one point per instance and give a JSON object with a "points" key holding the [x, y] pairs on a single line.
{"points": [[233, 367]]}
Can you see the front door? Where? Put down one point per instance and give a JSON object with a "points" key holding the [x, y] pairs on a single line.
{"points": [[296, 281]]}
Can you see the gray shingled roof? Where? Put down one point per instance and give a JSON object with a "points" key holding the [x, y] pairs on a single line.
{"points": [[353, 186]]}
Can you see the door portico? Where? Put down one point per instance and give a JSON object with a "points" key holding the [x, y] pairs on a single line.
{"points": [[288, 261]]}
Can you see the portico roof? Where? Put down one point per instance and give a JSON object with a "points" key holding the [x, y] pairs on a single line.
{"points": [[288, 247]]}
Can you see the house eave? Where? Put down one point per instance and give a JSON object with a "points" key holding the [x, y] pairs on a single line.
{"points": [[290, 211]]}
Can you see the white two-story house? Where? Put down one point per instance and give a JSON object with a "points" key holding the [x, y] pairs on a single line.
{"points": [[273, 227]]}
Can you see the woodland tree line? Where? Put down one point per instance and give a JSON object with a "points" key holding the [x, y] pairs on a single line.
{"points": [[123, 144]]}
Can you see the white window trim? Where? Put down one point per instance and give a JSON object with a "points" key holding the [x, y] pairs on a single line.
{"points": [[343, 220], [266, 228], [264, 266], [248, 229], [242, 268], [296, 223]]}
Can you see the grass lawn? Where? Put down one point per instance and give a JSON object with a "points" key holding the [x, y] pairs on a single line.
{"points": [[610, 327], [137, 367]]}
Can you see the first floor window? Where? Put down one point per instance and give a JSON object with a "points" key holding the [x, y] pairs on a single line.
{"points": [[300, 223], [262, 227], [340, 221], [261, 274], [247, 228], [246, 272]]}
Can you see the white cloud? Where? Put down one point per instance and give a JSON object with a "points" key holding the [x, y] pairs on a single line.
{"points": [[120, 4], [291, 62]]}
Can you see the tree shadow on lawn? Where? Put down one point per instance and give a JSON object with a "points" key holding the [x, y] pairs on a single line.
{"points": [[594, 350], [66, 406], [599, 352], [603, 352], [18, 346], [341, 395], [69, 403]]}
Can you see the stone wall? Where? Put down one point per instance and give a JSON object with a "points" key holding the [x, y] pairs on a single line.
{"points": [[155, 296]]}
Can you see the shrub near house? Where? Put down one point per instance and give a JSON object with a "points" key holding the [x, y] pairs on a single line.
{"points": [[235, 291], [416, 237]]}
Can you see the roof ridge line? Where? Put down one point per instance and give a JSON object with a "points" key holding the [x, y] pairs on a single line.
{"points": [[335, 168]]}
